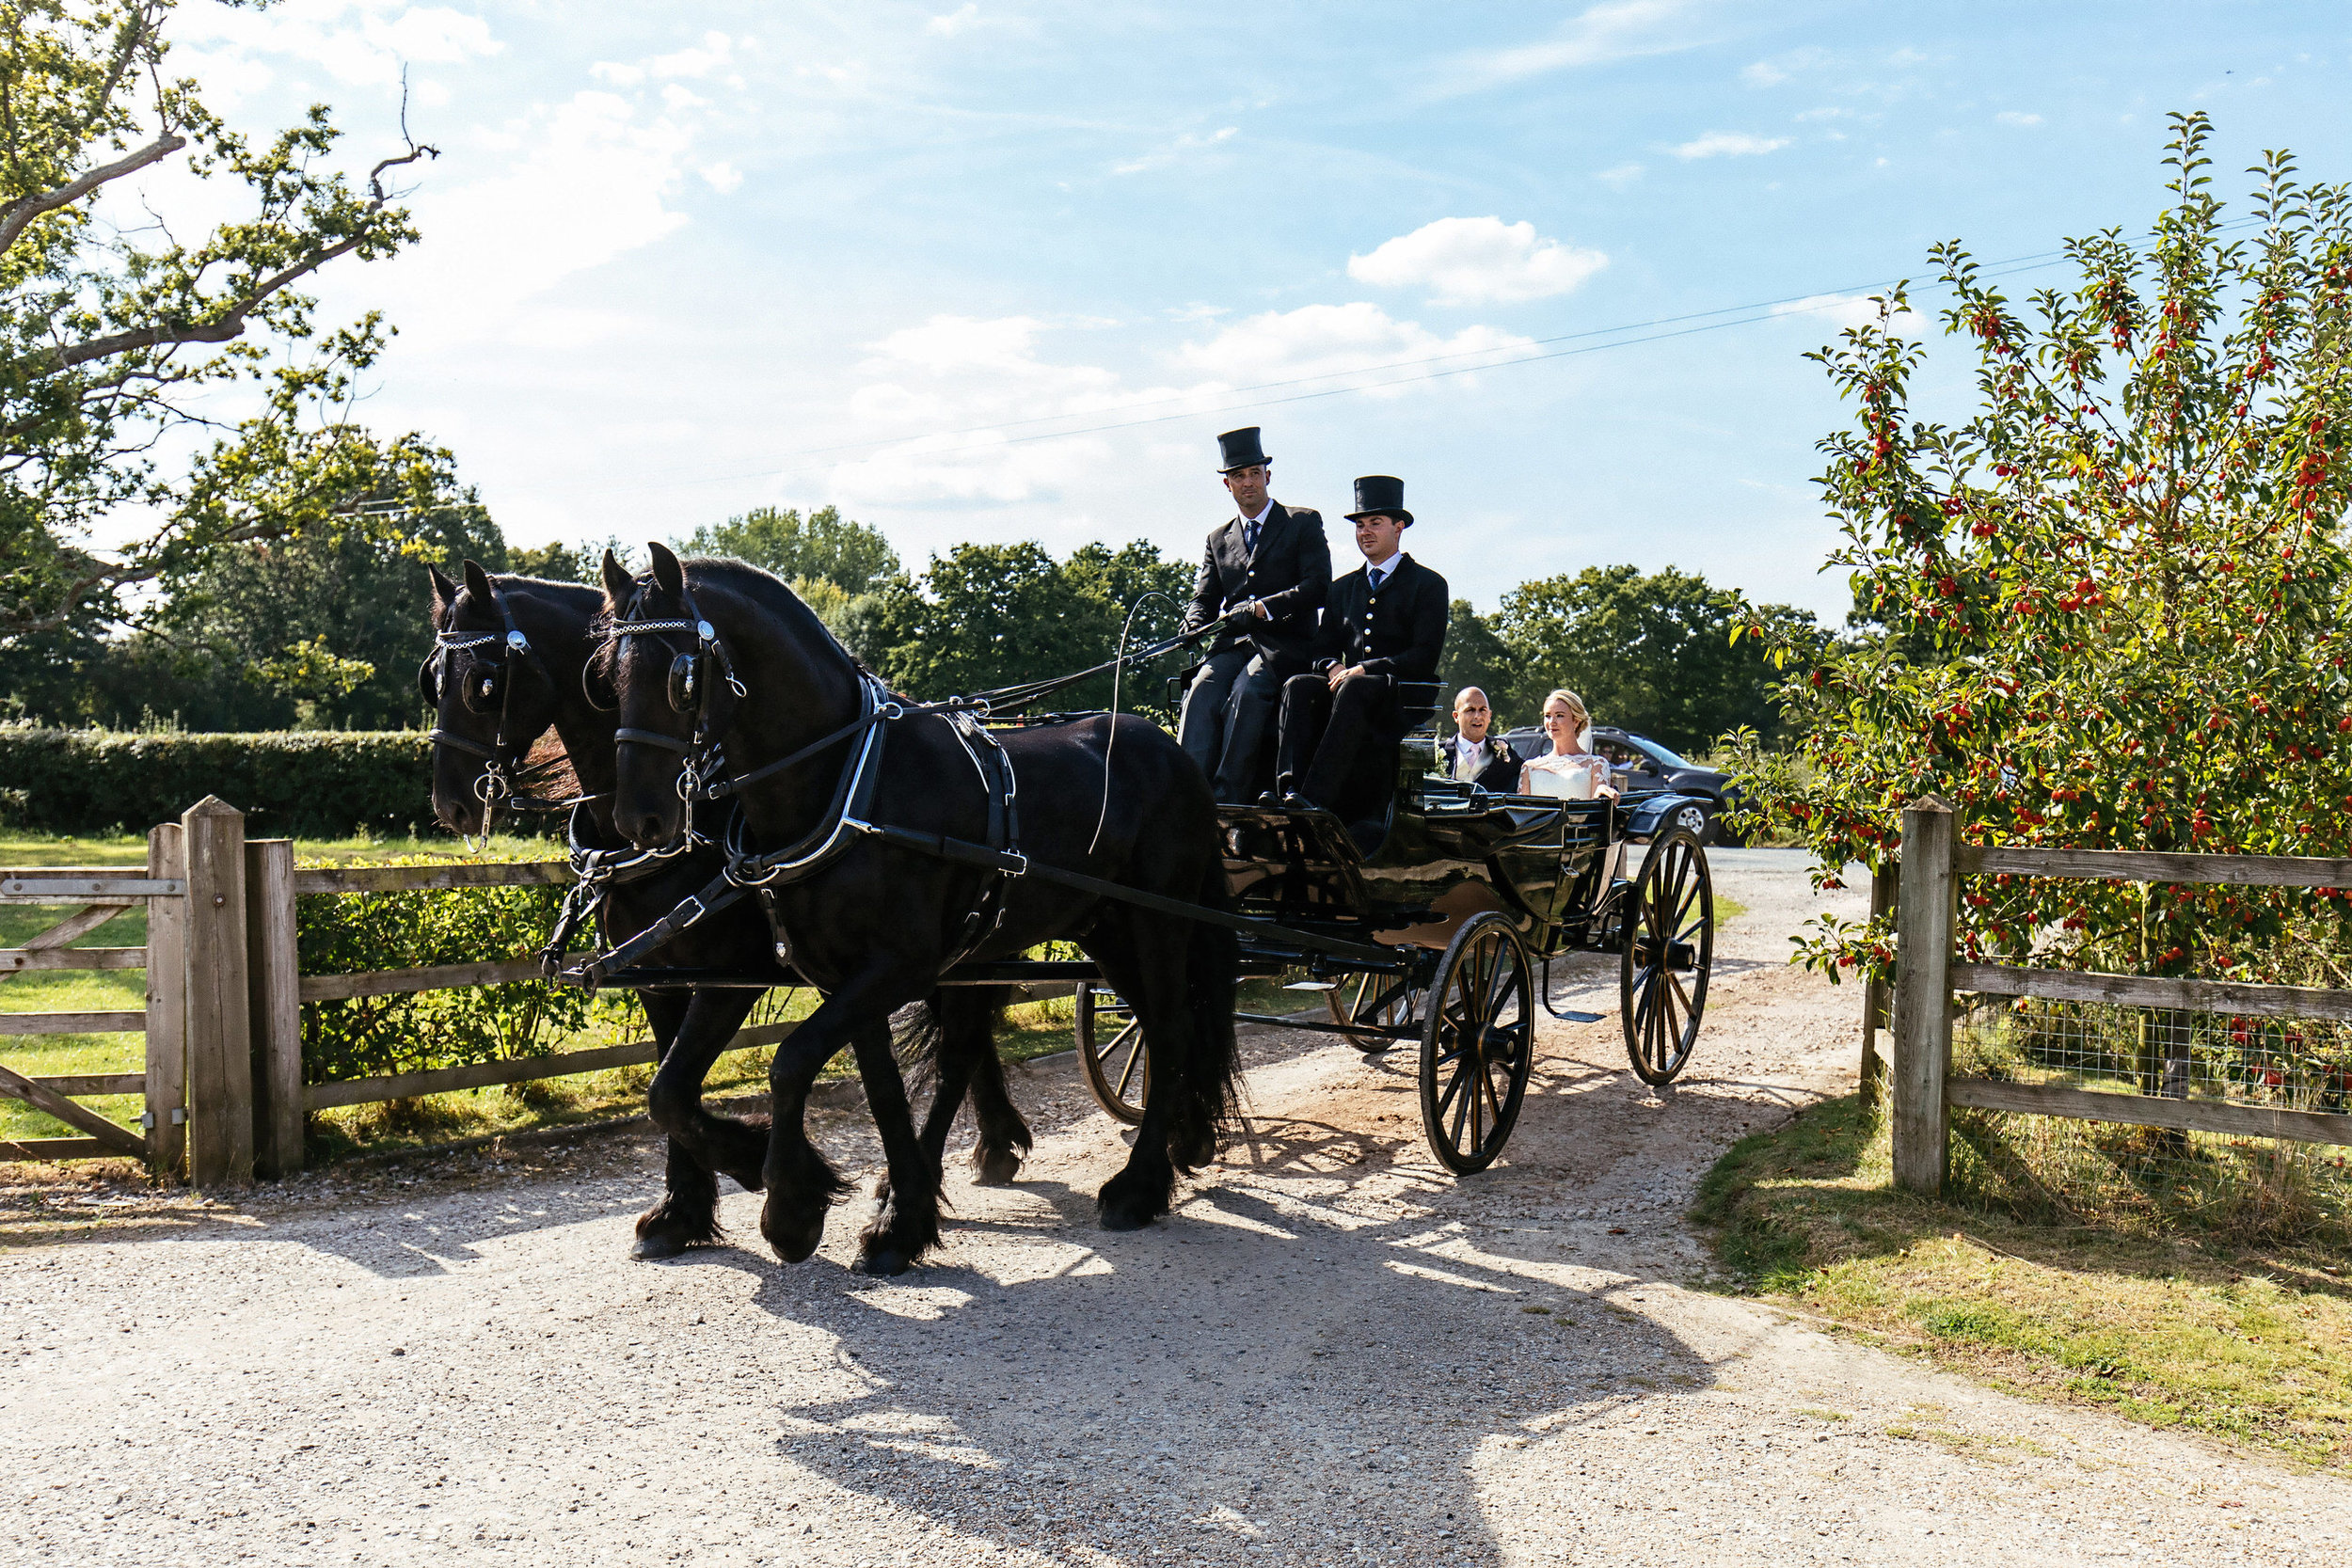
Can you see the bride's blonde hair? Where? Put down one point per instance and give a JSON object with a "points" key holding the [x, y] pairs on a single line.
{"points": [[1576, 706]]}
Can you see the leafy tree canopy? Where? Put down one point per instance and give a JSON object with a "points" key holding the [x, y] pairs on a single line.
{"points": [[2114, 599], [824, 544], [108, 330]]}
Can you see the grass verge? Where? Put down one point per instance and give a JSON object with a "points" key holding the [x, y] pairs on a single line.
{"points": [[2248, 1343]]}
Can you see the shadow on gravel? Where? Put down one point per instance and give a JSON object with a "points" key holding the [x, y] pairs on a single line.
{"points": [[1309, 1362]]}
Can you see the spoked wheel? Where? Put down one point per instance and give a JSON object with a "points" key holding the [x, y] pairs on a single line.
{"points": [[1477, 1046], [1384, 1001], [1669, 950], [1110, 1048]]}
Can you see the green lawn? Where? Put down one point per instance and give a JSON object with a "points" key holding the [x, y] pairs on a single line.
{"points": [[2249, 1343]]}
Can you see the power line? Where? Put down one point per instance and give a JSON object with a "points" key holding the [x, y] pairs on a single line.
{"points": [[1744, 315]]}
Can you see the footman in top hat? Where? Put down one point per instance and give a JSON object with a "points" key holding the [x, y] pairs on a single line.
{"points": [[1384, 623], [1267, 570]]}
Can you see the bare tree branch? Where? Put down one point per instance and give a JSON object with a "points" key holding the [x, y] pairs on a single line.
{"points": [[24, 209], [220, 331]]}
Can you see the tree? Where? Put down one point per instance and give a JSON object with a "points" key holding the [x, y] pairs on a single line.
{"points": [[108, 332], [321, 630], [2115, 597], [990, 615], [1476, 656], [825, 545], [1650, 654]]}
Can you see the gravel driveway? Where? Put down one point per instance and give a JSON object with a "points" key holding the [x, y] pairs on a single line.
{"points": [[1331, 1356]]}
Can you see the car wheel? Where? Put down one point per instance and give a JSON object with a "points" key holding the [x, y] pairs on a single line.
{"points": [[1697, 819]]}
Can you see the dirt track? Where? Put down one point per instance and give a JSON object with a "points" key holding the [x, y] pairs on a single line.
{"points": [[1332, 1354]]}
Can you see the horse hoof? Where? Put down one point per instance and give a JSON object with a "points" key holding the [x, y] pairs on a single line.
{"points": [[1123, 1216], [883, 1263], [998, 1170], [793, 1242], [654, 1247]]}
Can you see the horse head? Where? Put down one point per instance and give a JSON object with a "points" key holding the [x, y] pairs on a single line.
{"points": [[491, 687], [686, 644]]}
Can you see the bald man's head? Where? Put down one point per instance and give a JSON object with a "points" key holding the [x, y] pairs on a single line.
{"points": [[1472, 714]]}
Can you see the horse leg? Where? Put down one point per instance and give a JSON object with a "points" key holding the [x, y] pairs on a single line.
{"points": [[688, 1210], [964, 1047], [1141, 959], [907, 1225], [1005, 1138], [802, 1184], [718, 1143]]}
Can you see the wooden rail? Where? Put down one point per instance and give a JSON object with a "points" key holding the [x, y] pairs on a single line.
{"points": [[2232, 1118], [424, 878], [78, 887], [519, 1069], [1927, 976], [398, 982], [15, 961], [71, 1023]]}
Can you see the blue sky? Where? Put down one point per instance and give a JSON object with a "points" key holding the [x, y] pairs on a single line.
{"points": [[680, 260]]}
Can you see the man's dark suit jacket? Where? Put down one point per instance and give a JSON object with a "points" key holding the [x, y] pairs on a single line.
{"points": [[1500, 773], [1289, 571], [1400, 635]]}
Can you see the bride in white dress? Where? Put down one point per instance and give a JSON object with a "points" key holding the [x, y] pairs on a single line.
{"points": [[1569, 770]]}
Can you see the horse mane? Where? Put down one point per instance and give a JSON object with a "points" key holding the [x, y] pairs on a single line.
{"points": [[764, 588]]}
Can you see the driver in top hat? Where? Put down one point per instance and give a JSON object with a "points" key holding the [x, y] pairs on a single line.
{"points": [[1266, 571], [1385, 624]]}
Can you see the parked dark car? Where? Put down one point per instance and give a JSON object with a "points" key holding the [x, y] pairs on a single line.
{"points": [[1643, 767]]}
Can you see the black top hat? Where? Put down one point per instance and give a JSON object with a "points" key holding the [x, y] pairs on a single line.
{"points": [[1239, 449], [1380, 494]]}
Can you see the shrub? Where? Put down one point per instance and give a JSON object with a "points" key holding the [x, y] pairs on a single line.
{"points": [[371, 1035], [321, 783]]}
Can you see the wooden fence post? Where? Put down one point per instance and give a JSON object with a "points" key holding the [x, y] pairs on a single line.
{"points": [[1923, 998], [1885, 882], [219, 1005], [167, 1007], [273, 978]]}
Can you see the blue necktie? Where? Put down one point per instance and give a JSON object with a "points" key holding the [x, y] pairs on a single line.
{"points": [[1375, 575], [1249, 536]]}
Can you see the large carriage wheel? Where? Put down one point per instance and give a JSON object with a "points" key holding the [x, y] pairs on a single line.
{"points": [[1669, 951], [1383, 1001], [1110, 1048], [1478, 1045]]}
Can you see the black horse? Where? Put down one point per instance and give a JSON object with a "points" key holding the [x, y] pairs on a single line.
{"points": [[876, 924], [493, 702]]}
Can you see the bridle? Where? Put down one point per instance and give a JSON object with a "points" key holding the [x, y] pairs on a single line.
{"points": [[494, 787], [701, 759]]}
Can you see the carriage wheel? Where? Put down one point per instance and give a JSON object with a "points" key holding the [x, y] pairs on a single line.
{"points": [[1669, 951], [1110, 1048], [1386, 1001], [1478, 1045]]}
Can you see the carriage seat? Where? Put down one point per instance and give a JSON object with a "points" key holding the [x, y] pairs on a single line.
{"points": [[1416, 703]]}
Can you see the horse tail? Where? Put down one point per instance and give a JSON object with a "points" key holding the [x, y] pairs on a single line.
{"points": [[1208, 1106], [916, 1035]]}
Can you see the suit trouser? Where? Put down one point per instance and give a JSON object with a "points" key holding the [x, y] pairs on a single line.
{"points": [[1223, 723], [1333, 729]]}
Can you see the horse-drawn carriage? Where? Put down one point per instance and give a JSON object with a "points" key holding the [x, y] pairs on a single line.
{"points": [[1455, 912], [748, 833]]}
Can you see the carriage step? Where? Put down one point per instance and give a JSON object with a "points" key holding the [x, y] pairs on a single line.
{"points": [[1313, 985]]}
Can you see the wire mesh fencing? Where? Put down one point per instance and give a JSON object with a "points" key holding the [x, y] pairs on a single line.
{"points": [[2154, 1179]]}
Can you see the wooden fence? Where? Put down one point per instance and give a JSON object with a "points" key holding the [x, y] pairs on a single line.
{"points": [[1926, 975], [223, 1084]]}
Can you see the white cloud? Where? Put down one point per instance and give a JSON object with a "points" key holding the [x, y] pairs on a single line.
{"points": [[1332, 340], [1617, 30], [1620, 177], [358, 42], [716, 50], [1728, 144], [1477, 260], [613, 75], [2011, 117], [1763, 73], [1847, 311], [1780, 68], [1184, 144], [955, 21], [722, 176]]}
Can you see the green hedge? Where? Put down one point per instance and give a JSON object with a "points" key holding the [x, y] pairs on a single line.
{"points": [[312, 784]]}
